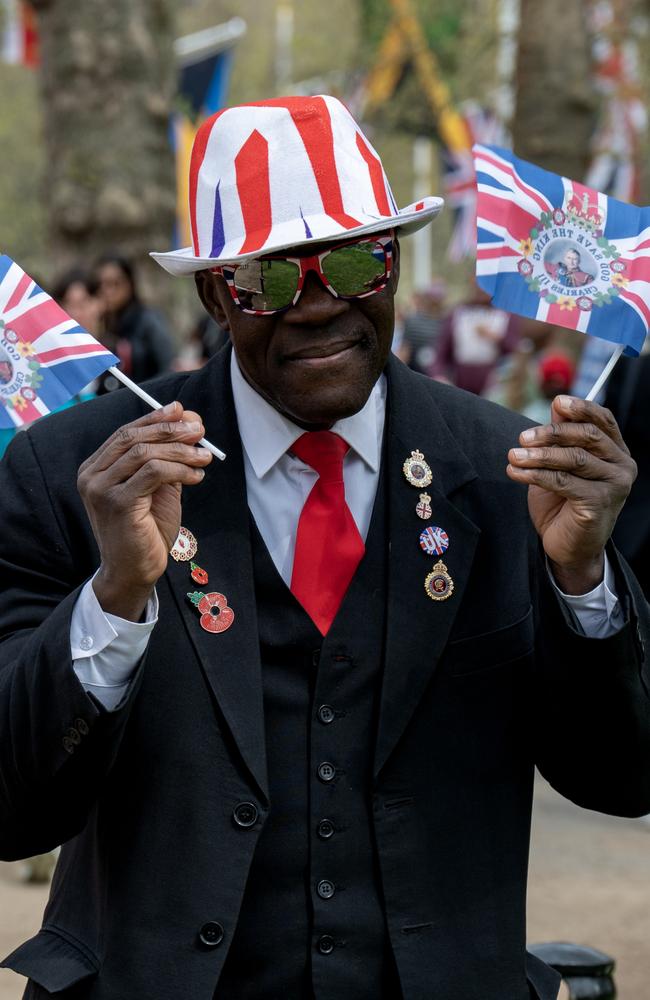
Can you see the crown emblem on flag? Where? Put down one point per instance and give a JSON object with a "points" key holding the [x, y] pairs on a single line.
{"points": [[582, 212], [284, 173]]}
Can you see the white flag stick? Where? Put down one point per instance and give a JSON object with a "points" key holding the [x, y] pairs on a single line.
{"points": [[155, 405], [604, 375]]}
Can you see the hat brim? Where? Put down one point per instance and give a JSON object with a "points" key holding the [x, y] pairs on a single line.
{"points": [[408, 220]]}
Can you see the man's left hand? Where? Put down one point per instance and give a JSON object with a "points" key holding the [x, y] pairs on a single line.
{"points": [[579, 472]]}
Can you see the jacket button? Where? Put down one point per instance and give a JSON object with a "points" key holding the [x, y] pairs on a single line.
{"points": [[68, 745], [73, 734], [325, 889], [326, 771], [326, 714], [81, 726], [326, 944], [325, 829], [245, 814], [211, 934]]}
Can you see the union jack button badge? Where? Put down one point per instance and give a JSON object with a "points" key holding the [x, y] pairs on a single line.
{"points": [[199, 575], [438, 584], [185, 546], [416, 470], [423, 509], [434, 541]]}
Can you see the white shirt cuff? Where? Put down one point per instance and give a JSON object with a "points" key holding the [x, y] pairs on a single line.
{"points": [[106, 649], [599, 612]]}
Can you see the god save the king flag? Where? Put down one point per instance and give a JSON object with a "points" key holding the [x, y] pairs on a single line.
{"points": [[45, 356], [557, 251]]}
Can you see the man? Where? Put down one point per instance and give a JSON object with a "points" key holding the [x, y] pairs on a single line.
{"points": [[298, 762], [567, 271]]}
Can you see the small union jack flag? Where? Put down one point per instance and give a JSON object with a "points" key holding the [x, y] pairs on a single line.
{"points": [[45, 356], [561, 252]]}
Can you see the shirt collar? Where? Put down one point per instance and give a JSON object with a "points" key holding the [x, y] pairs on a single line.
{"points": [[266, 434]]}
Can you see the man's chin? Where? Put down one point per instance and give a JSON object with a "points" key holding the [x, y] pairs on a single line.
{"points": [[318, 412]]}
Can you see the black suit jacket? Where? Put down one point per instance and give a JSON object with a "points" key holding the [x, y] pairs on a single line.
{"points": [[476, 690]]}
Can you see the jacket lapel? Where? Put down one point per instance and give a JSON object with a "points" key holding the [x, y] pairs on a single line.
{"points": [[216, 512], [417, 627]]}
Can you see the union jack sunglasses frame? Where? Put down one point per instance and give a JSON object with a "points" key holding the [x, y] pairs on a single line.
{"points": [[307, 264]]}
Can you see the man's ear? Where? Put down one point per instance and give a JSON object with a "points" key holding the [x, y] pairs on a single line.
{"points": [[212, 291], [395, 269]]}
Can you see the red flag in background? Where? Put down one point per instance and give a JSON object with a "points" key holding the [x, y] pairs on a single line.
{"points": [[18, 33]]}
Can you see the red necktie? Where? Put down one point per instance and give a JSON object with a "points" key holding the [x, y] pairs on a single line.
{"points": [[328, 544]]}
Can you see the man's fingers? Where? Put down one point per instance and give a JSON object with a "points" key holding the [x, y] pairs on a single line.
{"points": [[136, 457], [154, 474], [556, 481], [135, 434], [583, 411], [567, 435], [577, 461]]}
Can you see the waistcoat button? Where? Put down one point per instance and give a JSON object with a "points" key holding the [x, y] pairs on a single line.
{"points": [[326, 714], [326, 944], [326, 771], [211, 934], [325, 889], [325, 829], [245, 814]]}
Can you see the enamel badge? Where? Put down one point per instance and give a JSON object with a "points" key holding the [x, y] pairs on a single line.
{"points": [[416, 470], [438, 584], [198, 575], [185, 546], [216, 616], [434, 541], [423, 509]]}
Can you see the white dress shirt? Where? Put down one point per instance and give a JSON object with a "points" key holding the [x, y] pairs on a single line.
{"points": [[106, 649]]}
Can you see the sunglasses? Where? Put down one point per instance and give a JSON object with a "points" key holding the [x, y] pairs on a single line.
{"points": [[270, 284]]}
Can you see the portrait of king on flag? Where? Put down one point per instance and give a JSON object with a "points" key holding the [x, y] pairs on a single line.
{"points": [[560, 252], [45, 356]]}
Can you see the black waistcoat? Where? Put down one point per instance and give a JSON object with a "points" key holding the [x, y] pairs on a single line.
{"points": [[312, 920]]}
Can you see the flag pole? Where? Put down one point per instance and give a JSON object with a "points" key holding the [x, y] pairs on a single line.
{"points": [[604, 375], [155, 405]]}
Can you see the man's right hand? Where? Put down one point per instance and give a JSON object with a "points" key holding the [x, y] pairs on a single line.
{"points": [[131, 488]]}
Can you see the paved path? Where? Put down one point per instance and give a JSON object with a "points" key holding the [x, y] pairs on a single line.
{"points": [[590, 883]]}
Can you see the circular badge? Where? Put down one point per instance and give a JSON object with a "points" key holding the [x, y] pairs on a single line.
{"points": [[438, 584], [11, 336], [416, 470], [434, 541], [28, 394], [185, 546], [216, 616]]}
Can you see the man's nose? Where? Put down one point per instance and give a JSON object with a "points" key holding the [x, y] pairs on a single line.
{"points": [[316, 306]]}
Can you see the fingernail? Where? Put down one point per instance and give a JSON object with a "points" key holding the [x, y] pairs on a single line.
{"points": [[192, 427], [528, 435], [169, 409], [520, 453], [565, 402]]}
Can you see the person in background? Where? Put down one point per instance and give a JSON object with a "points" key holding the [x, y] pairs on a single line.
{"points": [[555, 375], [472, 340], [136, 333], [202, 340], [422, 327]]}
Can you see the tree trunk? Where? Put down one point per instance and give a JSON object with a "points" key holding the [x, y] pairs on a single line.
{"points": [[555, 103], [108, 79]]}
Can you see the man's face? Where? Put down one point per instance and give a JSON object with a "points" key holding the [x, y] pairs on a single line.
{"points": [[571, 260], [317, 361]]}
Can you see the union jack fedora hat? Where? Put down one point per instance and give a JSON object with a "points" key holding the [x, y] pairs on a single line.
{"points": [[284, 173]]}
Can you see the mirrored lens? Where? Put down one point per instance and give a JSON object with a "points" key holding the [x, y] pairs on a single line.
{"points": [[266, 284], [357, 269]]}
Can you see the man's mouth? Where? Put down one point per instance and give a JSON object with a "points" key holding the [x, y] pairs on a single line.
{"points": [[328, 353]]}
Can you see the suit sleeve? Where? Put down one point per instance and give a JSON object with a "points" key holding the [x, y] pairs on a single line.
{"points": [[57, 742], [591, 701]]}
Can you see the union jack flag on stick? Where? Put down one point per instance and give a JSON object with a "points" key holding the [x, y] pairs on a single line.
{"points": [[45, 356], [558, 251]]}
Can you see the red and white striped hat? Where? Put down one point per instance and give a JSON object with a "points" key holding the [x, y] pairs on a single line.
{"points": [[283, 173]]}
